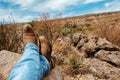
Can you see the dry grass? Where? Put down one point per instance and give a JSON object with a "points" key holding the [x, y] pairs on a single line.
{"points": [[10, 39], [59, 47], [47, 27], [76, 65], [115, 37], [110, 30]]}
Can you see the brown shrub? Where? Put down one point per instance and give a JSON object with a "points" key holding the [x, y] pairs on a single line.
{"points": [[49, 28], [10, 39], [76, 65], [110, 30]]}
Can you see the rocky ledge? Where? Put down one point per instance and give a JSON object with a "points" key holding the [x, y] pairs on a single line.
{"points": [[101, 57]]}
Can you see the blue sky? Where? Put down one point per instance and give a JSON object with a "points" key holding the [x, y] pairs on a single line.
{"points": [[28, 10]]}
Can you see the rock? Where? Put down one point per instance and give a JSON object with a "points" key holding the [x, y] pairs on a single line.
{"points": [[67, 41], [87, 77], [101, 56], [54, 74], [106, 45], [7, 60], [76, 52], [106, 56], [63, 41], [93, 45], [112, 57], [80, 44], [81, 77], [60, 57], [94, 39], [59, 39], [116, 77], [103, 70], [77, 37], [67, 77], [90, 47]]}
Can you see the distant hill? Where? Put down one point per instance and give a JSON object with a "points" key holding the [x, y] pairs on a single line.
{"points": [[89, 18]]}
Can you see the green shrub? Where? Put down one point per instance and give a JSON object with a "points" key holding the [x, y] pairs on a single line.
{"points": [[79, 28], [66, 31], [77, 65]]}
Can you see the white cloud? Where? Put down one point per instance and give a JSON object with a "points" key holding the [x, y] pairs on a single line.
{"points": [[114, 5], [91, 1], [60, 5], [9, 15], [54, 5], [24, 18], [107, 4], [43, 5], [4, 13], [22, 3], [51, 6]]}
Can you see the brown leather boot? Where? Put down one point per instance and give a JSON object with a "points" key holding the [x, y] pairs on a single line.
{"points": [[29, 35], [46, 50]]}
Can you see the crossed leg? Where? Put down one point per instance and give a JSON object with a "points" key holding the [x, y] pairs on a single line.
{"points": [[33, 65]]}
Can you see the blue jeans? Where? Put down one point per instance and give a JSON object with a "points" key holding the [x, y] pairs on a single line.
{"points": [[32, 65]]}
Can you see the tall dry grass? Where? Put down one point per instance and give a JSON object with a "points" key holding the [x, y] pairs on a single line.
{"points": [[109, 29], [10, 39], [50, 28]]}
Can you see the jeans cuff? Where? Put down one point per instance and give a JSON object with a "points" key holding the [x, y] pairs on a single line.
{"points": [[31, 46]]}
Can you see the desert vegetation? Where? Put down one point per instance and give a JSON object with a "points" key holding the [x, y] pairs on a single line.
{"points": [[106, 27], [78, 43], [10, 37], [46, 26], [109, 29]]}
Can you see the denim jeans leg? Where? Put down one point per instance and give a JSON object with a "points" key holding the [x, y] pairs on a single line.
{"points": [[32, 65]]}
